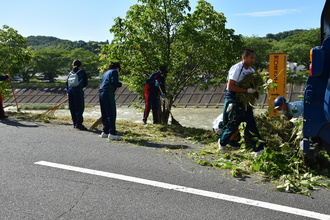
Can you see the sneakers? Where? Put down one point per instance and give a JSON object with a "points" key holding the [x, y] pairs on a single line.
{"points": [[103, 135], [258, 153], [231, 146], [114, 137], [221, 148]]}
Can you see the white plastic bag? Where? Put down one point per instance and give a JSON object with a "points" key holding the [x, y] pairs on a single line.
{"points": [[217, 125]]}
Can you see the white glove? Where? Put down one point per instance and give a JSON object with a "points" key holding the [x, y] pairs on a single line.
{"points": [[250, 90]]}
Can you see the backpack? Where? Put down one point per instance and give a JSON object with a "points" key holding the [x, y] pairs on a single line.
{"points": [[73, 79]]}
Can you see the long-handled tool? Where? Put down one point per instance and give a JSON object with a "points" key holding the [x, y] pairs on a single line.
{"points": [[96, 123], [173, 121], [13, 90], [53, 109]]}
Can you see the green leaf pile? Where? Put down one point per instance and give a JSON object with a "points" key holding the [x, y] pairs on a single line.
{"points": [[253, 80]]}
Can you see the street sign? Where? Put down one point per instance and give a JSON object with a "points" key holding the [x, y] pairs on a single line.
{"points": [[277, 72]]}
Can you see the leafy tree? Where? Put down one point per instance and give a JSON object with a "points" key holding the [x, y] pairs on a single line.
{"points": [[13, 50], [195, 46], [298, 46], [262, 48], [49, 62], [13, 53], [90, 61]]}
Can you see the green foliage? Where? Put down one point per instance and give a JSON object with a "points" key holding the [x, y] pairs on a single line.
{"points": [[298, 46], [89, 60], [49, 62], [13, 55], [44, 42], [283, 35], [299, 77], [194, 46], [253, 80], [262, 48], [282, 161]]}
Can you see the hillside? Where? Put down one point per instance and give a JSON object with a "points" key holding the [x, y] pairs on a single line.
{"points": [[48, 42]]}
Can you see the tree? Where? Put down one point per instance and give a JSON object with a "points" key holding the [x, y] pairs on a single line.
{"points": [[13, 53], [49, 62], [13, 50], [90, 61], [194, 46], [298, 46], [262, 48]]}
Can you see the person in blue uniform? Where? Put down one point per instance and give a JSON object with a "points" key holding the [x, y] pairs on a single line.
{"points": [[289, 109], [235, 112], [76, 96], [109, 85], [2, 112], [155, 87]]}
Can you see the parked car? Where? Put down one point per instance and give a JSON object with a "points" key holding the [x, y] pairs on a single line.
{"points": [[17, 79]]}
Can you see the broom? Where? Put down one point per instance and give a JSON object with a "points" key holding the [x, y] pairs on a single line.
{"points": [[13, 91], [173, 121], [96, 123], [53, 109]]}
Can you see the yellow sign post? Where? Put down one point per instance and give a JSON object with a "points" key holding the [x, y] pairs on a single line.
{"points": [[277, 72]]}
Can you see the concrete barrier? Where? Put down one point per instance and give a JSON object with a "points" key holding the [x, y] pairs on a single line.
{"points": [[191, 97]]}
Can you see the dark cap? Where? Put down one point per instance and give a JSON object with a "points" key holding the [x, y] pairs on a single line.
{"points": [[76, 63], [163, 69], [279, 101]]}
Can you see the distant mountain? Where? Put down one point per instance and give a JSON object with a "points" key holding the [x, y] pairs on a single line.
{"points": [[45, 42], [283, 35]]}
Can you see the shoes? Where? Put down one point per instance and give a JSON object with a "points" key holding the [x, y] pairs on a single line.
{"points": [[3, 117], [114, 137], [82, 128], [233, 145], [222, 148], [144, 121], [103, 135], [258, 153]]}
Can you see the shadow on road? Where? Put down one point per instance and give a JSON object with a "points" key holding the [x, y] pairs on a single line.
{"points": [[17, 123], [157, 145]]}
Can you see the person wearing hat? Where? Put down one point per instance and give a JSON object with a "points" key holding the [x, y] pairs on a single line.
{"points": [[155, 87], [76, 95], [289, 109]]}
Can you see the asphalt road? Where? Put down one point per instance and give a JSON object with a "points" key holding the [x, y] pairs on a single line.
{"points": [[56, 172]]}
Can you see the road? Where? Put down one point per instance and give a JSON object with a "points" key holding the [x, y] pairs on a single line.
{"points": [[56, 172]]}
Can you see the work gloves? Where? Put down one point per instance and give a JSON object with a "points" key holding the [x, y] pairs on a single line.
{"points": [[157, 84]]}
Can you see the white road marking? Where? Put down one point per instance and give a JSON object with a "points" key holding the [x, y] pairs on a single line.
{"points": [[179, 188]]}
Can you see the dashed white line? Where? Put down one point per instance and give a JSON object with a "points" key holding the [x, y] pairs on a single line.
{"points": [[220, 196]]}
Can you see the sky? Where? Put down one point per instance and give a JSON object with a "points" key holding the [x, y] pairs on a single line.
{"points": [[91, 20]]}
